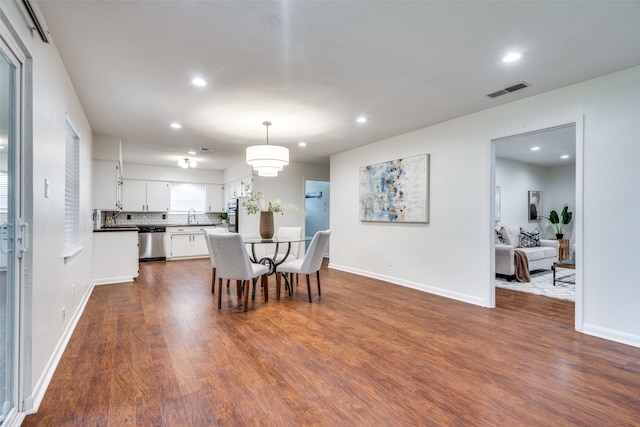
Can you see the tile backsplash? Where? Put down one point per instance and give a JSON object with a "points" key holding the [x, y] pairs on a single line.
{"points": [[157, 218]]}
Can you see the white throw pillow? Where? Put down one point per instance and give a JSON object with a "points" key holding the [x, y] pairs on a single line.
{"points": [[506, 236]]}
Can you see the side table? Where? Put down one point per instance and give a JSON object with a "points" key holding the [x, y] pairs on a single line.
{"points": [[563, 251]]}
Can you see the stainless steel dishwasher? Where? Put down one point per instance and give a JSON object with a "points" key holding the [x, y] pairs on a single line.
{"points": [[151, 243]]}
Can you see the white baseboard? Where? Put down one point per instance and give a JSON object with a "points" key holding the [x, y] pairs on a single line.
{"points": [[611, 335], [112, 280], [31, 403], [413, 285]]}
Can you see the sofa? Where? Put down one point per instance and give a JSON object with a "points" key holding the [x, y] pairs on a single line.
{"points": [[540, 253]]}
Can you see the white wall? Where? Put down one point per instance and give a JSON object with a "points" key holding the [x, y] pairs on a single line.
{"points": [[50, 278], [288, 186], [452, 255], [515, 179], [171, 174]]}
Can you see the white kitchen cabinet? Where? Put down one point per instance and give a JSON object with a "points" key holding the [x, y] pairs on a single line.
{"points": [[158, 196], [150, 196], [213, 198], [115, 256], [107, 185], [180, 245], [238, 188], [184, 243]]}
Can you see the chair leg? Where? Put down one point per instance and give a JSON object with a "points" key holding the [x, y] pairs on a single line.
{"points": [[239, 285], [278, 284], [246, 296], [309, 286], [265, 285], [318, 276], [213, 281], [219, 293]]}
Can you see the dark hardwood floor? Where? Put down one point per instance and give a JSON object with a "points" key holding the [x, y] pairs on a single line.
{"points": [[158, 352]]}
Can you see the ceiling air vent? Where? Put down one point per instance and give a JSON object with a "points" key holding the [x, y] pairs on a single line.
{"points": [[508, 90]]}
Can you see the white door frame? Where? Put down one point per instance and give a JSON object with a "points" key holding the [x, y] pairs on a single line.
{"points": [[579, 216]]}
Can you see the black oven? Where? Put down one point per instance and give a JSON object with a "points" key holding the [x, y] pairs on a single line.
{"points": [[232, 210]]}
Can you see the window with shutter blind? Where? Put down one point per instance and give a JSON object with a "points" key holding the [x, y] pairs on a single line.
{"points": [[71, 191], [185, 196], [4, 192]]}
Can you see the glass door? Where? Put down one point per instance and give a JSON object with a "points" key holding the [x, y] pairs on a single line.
{"points": [[11, 231]]}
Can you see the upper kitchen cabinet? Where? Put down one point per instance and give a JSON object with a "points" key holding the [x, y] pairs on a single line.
{"points": [[147, 196], [214, 198], [107, 185], [240, 187]]}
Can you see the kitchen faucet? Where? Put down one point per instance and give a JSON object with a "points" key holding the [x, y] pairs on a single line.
{"points": [[191, 216]]}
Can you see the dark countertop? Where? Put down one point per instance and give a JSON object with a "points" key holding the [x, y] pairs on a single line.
{"points": [[118, 228], [135, 227], [194, 225]]}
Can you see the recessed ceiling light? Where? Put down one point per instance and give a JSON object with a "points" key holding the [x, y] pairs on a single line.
{"points": [[193, 153], [513, 56], [199, 81], [362, 119], [535, 148], [564, 156], [175, 125], [302, 144]]}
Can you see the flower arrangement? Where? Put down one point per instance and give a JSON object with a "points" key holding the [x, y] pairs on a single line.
{"points": [[258, 202]]}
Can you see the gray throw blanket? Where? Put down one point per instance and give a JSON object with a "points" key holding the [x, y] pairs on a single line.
{"points": [[521, 264]]}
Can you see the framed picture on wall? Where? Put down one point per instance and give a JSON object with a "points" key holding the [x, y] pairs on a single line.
{"points": [[396, 190], [535, 205]]}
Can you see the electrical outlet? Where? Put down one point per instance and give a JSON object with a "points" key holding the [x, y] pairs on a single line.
{"points": [[64, 314], [73, 292], [390, 263]]}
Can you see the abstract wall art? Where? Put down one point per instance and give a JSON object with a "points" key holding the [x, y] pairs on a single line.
{"points": [[535, 205], [395, 191]]}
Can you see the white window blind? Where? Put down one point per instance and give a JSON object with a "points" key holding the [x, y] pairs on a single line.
{"points": [[71, 190], [184, 196], [4, 195]]}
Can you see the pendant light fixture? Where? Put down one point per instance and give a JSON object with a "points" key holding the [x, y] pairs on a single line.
{"points": [[267, 159]]}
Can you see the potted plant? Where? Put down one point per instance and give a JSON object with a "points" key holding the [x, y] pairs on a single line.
{"points": [[560, 220], [223, 217], [257, 202]]}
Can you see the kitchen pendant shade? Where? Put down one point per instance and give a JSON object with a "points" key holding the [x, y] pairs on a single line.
{"points": [[273, 156], [267, 159]]}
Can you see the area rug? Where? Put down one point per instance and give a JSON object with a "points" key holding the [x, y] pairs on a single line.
{"points": [[542, 284]]}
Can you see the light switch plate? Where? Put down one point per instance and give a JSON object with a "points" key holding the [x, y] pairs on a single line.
{"points": [[46, 188]]}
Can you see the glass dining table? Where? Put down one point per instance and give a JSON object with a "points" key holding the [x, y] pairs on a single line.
{"points": [[271, 256]]}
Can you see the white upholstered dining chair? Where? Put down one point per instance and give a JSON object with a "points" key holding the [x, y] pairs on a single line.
{"points": [[232, 263], [211, 258], [286, 233], [311, 262]]}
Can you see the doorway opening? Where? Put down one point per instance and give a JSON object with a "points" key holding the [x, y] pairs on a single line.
{"points": [[544, 163], [316, 205]]}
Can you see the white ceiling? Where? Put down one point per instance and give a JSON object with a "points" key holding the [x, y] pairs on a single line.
{"points": [[551, 145], [312, 67]]}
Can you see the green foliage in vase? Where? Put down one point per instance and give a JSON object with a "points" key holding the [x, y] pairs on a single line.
{"points": [[555, 219], [257, 202]]}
